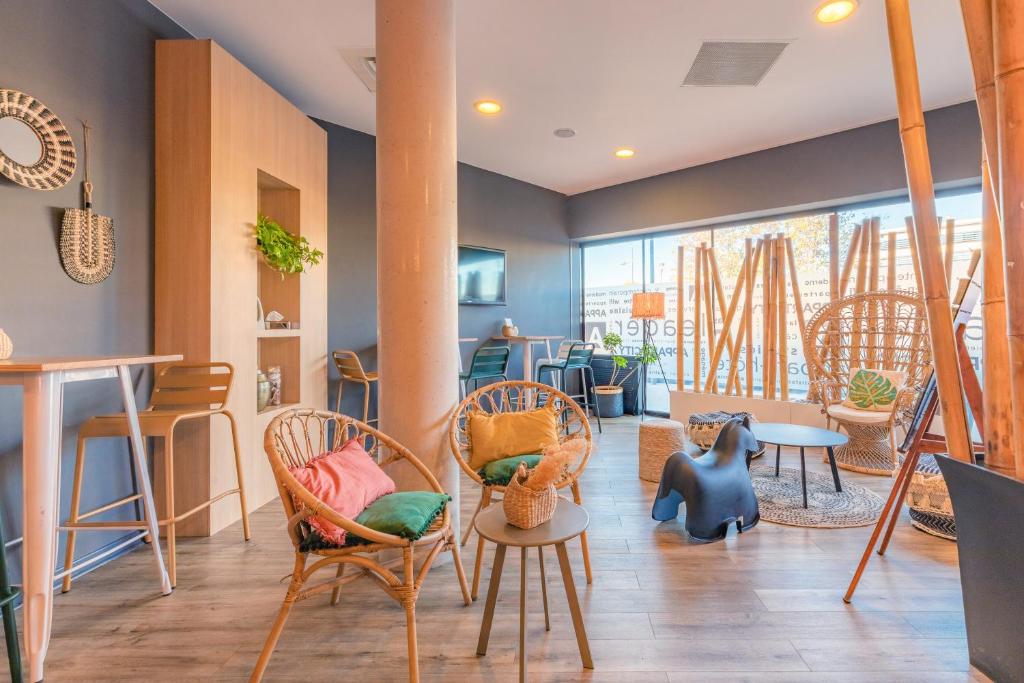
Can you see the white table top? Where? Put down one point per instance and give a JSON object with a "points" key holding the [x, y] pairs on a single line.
{"points": [[524, 339], [23, 364]]}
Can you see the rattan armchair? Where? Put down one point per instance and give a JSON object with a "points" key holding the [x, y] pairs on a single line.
{"points": [[519, 396], [878, 330], [291, 440]]}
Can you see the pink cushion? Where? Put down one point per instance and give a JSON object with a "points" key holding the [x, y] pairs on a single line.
{"points": [[346, 480]]}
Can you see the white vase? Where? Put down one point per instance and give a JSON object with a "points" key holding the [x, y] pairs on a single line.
{"points": [[6, 346]]}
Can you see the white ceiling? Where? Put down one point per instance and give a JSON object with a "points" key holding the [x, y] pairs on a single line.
{"points": [[610, 69]]}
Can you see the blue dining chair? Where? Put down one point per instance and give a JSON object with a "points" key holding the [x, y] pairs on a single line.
{"points": [[578, 357]]}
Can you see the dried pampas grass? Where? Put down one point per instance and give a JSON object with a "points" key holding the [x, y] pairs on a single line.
{"points": [[556, 462]]}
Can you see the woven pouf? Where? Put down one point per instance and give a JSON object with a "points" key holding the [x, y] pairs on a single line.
{"points": [[703, 428], [931, 510], [658, 440]]}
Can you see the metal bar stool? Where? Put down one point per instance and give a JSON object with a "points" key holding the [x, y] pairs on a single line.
{"points": [[181, 392], [489, 362], [7, 597], [578, 358], [351, 370]]}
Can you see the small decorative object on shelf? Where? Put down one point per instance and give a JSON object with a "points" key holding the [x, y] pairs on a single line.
{"points": [[274, 375], [6, 346], [263, 390], [508, 329], [276, 321], [530, 497], [283, 251]]}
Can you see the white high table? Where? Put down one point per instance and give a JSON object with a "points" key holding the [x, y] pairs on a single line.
{"points": [[527, 343], [43, 380]]}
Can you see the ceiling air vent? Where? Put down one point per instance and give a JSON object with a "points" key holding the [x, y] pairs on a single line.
{"points": [[732, 63], [363, 62]]}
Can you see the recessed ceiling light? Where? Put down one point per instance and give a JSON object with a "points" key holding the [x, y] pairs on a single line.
{"points": [[625, 152], [488, 107], [831, 11], [564, 132]]}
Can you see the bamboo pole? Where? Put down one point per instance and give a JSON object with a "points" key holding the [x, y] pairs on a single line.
{"points": [[727, 318], [873, 273], [772, 261], [1008, 39], [857, 332], [748, 310], [890, 261], [922, 196], [996, 399], [766, 269], [912, 245], [890, 284], [783, 366], [709, 302], [947, 254], [978, 27], [851, 258], [680, 318], [698, 258], [798, 302], [722, 308]]}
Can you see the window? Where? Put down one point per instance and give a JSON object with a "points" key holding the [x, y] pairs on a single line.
{"points": [[614, 271]]}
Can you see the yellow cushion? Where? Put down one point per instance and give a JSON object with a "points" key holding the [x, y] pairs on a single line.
{"points": [[493, 436], [871, 389]]}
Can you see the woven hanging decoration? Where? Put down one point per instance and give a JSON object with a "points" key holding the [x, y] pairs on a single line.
{"points": [[56, 164], [87, 238]]}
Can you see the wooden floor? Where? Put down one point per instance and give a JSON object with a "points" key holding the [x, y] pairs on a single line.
{"points": [[764, 606]]}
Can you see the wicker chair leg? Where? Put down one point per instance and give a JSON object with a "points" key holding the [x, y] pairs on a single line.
{"points": [[76, 499], [409, 602], [460, 571], [469, 527], [336, 593], [366, 402], [172, 562], [240, 478], [282, 616], [480, 543], [583, 537]]}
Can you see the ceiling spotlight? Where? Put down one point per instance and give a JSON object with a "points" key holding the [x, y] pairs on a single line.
{"points": [[831, 11], [625, 152], [488, 107], [564, 132]]}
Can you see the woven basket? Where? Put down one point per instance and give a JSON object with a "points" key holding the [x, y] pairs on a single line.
{"points": [[524, 507]]}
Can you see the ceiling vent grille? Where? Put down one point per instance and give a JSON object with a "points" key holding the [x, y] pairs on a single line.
{"points": [[363, 62], [733, 63]]}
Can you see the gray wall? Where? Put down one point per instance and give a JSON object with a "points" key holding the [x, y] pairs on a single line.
{"points": [[85, 59], [495, 211], [855, 165]]}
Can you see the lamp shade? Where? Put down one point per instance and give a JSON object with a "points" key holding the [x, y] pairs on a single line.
{"points": [[649, 305]]}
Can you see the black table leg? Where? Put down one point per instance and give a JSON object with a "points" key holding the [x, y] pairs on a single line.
{"points": [[778, 454], [803, 475], [835, 470]]}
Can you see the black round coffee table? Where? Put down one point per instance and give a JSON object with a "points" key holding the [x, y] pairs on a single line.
{"points": [[799, 436]]}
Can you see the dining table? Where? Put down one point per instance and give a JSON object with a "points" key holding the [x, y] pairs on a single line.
{"points": [[42, 380], [527, 342]]}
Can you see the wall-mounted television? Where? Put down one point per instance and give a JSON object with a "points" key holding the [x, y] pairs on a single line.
{"points": [[481, 275]]}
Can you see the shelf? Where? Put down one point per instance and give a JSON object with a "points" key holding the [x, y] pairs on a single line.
{"points": [[263, 334], [274, 409]]}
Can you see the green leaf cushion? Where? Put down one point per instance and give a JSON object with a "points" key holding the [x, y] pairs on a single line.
{"points": [[873, 389], [407, 513], [499, 472]]}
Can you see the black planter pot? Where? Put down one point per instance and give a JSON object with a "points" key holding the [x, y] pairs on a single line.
{"points": [[602, 376], [989, 511], [609, 402]]}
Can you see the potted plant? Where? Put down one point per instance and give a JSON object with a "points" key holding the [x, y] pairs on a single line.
{"points": [[283, 251], [609, 396]]}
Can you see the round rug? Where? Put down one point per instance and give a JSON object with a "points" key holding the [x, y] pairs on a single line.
{"points": [[780, 499]]}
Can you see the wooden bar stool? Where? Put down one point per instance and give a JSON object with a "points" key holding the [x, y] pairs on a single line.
{"points": [[181, 392], [351, 370], [7, 597]]}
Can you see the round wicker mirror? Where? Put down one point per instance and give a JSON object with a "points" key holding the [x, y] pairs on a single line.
{"points": [[55, 164]]}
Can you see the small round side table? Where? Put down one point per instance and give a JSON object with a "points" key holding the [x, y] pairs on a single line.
{"points": [[782, 434], [569, 521]]}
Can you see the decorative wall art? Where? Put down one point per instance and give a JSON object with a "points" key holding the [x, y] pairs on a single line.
{"points": [[49, 165], [87, 238]]}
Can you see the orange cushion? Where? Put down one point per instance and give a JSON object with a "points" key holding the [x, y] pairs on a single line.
{"points": [[346, 480], [493, 436]]}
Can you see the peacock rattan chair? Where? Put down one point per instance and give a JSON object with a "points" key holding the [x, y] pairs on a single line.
{"points": [[877, 330], [519, 396], [291, 440]]}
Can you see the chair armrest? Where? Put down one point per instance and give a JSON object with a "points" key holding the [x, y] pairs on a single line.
{"points": [[829, 390]]}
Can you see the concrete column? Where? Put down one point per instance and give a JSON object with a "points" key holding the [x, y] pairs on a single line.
{"points": [[417, 232]]}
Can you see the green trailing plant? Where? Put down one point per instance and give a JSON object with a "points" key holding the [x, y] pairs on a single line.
{"points": [[612, 343], [283, 251]]}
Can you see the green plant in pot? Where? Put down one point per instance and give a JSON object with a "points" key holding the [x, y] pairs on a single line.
{"points": [[609, 396], [283, 251]]}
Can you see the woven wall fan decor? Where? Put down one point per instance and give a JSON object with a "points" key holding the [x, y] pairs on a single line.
{"points": [[56, 164], [87, 238]]}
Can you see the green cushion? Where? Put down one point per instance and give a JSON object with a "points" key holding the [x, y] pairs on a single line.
{"points": [[499, 472], [407, 514]]}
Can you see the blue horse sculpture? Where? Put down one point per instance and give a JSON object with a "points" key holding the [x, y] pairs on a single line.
{"points": [[715, 486]]}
